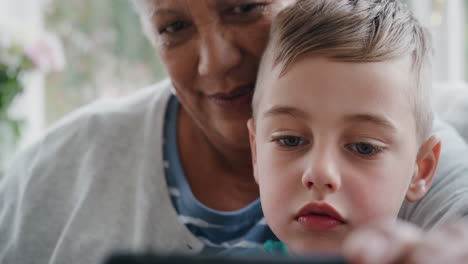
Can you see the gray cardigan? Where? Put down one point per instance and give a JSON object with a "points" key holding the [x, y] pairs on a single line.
{"points": [[94, 184]]}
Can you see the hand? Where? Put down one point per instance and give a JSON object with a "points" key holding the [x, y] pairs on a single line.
{"points": [[400, 242]]}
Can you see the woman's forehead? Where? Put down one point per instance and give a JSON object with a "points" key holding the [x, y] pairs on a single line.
{"points": [[186, 6], [154, 7], [186, 3]]}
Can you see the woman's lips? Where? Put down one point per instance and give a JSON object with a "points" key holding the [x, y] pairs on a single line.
{"points": [[240, 96], [319, 217]]}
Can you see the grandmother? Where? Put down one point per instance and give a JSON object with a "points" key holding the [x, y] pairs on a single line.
{"points": [[168, 168]]}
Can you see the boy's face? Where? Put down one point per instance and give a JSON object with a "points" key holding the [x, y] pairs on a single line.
{"points": [[334, 146]]}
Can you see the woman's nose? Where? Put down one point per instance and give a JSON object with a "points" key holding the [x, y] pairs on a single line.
{"points": [[322, 173], [218, 53]]}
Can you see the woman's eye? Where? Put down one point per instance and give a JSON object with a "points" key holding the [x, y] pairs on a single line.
{"points": [[365, 149], [173, 27], [245, 12], [290, 141], [247, 8]]}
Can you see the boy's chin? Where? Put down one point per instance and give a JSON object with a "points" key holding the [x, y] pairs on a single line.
{"points": [[329, 249]]}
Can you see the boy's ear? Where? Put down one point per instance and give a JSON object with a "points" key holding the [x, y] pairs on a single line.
{"points": [[253, 148], [426, 166]]}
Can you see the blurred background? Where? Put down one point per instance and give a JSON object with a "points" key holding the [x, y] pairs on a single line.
{"points": [[56, 56]]}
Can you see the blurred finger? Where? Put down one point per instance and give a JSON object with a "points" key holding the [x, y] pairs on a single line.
{"points": [[384, 242], [446, 244]]}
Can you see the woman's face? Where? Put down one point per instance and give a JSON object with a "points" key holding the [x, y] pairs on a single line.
{"points": [[211, 50]]}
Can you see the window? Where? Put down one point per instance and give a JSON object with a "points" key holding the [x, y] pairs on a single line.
{"points": [[447, 21], [107, 54]]}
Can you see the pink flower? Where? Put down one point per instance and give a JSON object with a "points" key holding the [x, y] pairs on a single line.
{"points": [[46, 53]]}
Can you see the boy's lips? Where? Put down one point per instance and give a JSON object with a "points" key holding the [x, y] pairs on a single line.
{"points": [[319, 217]]}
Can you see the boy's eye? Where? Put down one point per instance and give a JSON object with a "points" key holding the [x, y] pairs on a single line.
{"points": [[364, 149], [290, 141]]}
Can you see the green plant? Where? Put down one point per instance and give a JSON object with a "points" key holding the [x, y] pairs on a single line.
{"points": [[10, 88], [24, 52]]}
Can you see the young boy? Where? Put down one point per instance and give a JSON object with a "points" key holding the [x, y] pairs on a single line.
{"points": [[341, 125]]}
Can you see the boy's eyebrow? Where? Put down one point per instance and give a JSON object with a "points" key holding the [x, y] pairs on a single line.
{"points": [[360, 118], [285, 110], [372, 118]]}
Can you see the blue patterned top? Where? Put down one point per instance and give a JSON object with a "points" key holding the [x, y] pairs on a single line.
{"points": [[242, 229]]}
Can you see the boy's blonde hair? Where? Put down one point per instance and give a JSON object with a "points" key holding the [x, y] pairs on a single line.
{"points": [[354, 30]]}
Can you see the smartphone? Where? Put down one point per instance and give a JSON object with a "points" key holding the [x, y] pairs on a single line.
{"points": [[151, 258]]}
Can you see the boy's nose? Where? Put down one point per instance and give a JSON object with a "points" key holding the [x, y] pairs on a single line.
{"points": [[322, 173]]}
